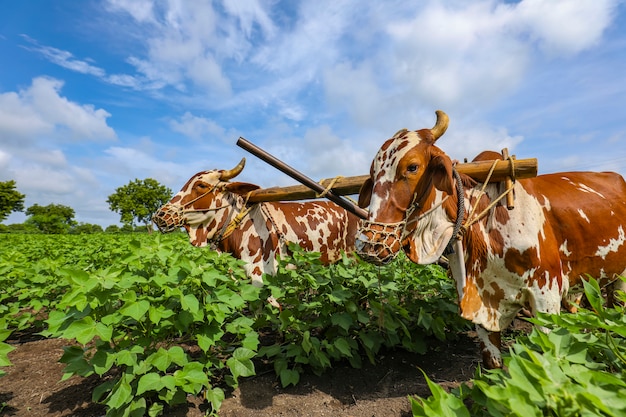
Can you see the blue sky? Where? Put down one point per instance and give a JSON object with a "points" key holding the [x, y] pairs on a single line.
{"points": [[94, 94]]}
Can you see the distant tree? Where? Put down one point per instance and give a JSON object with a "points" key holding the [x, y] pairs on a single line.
{"points": [[10, 199], [86, 228], [127, 228], [112, 229], [20, 228], [138, 200], [52, 219]]}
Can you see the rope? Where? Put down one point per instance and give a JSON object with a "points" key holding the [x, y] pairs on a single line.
{"points": [[483, 213], [511, 159], [460, 210], [281, 236], [482, 190], [329, 187], [236, 221]]}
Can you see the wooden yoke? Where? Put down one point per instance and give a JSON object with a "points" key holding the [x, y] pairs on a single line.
{"points": [[521, 168]]}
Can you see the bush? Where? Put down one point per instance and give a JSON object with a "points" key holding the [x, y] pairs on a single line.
{"points": [[577, 369]]}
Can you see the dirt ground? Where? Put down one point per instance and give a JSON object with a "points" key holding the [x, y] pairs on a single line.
{"points": [[33, 387]]}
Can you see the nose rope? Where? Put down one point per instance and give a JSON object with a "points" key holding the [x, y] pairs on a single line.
{"points": [[386, 234], [175, 213], [460, 214]]}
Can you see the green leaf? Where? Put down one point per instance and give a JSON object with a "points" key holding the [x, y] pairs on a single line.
{"points": [[441, 404], [102, 389], [155, 410], [192, 378], [4, 350], [343, 320], [289, 376], [593, 294], [121, 393], [343, 346], [216, 397], [306, 342], [190, 303], [102, 361], [240, 363], [163, 358], [83, 330], [149, 382], [158, 313], [135, 309]]}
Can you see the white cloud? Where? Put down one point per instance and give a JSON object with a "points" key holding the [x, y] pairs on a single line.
{"points": [[319, 84], [566, 27], [469, 141], [355, 90], [40, 110], [182, 45], [197, 127], [36, 123], [325, 154], [63, 58], [140, 10]]}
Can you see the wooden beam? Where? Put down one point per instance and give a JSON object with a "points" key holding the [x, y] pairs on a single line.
{"points": [[523, 168]]}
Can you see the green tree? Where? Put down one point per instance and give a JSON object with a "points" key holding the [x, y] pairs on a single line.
{"points": [[52, 219], [113, 228], [10, 199], [138, 200], [86, 228]]}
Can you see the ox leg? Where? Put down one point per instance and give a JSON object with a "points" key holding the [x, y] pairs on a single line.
{"points": [[617, 285], [571, 302], [490, 343]]}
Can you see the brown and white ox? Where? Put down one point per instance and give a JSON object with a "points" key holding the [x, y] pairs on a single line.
{"points": [[563, 226], [214, 211]]}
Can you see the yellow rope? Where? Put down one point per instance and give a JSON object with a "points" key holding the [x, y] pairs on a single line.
{"points": [[329, 187], [471, 219], [482, 214], [482, 190], [236, 221], [511, 159]]}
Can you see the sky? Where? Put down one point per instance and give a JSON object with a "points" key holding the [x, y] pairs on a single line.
{"points": [[95, 94]]}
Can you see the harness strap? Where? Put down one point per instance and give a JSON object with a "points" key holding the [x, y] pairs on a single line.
{"points": [[281, 237], [483, 213], [236, 221], [198, 198]]}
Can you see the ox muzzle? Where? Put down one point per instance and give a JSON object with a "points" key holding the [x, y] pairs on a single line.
{"points": [[169, 218], [379, 243]]}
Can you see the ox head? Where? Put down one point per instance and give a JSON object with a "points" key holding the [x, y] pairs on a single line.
{"points": [[403, 175], [204, 205]]}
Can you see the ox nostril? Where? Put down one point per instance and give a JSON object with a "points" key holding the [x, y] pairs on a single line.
{"points": [[360, 242]]}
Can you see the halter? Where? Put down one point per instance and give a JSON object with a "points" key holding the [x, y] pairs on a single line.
{"points": [[176, 212], [387, 234]]}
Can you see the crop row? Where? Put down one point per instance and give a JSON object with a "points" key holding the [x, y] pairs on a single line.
{"points": [[159, 320]]}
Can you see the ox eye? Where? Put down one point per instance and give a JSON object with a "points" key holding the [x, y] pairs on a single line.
{"points": [[202, 186], [412, 168]]}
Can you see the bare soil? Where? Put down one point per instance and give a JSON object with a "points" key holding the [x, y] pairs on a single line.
{"points": [[33, 386]]}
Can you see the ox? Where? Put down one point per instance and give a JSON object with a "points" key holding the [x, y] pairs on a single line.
{"points": [[214, 211], [563, 227]]}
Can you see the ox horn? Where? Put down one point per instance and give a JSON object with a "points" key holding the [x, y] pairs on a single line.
{"points": [[228, 174], [441, 125]]}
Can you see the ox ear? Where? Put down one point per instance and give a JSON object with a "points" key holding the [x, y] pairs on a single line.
{"points": [[241, 188], [441, 167], [365, 193]]}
